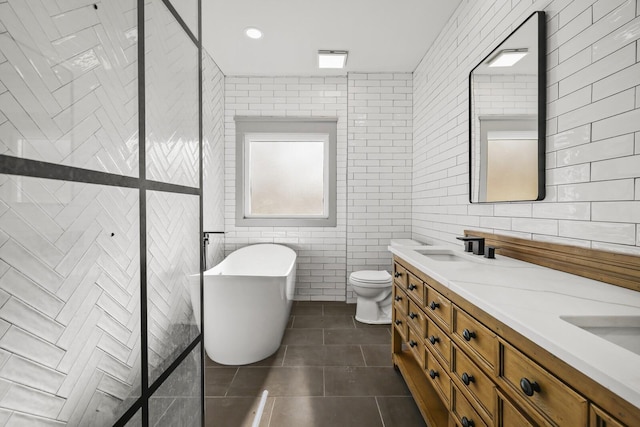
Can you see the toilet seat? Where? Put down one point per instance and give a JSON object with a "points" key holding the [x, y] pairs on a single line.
{"points": [[371, 278]]}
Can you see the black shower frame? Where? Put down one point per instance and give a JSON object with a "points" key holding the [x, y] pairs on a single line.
{"points": [[38, 169]]}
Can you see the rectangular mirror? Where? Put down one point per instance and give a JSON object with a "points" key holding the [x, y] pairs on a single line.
{"points": [[507, 118]]}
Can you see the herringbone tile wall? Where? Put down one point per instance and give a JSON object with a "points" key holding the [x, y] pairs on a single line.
{"points": [[171, 63], [212, 145], [69, 301], [68, 83], [173, 255]]}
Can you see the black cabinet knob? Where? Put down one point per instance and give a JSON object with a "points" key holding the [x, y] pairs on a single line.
{"points": [[413, 315], [412, 287], [396, 274], [467, 335], [434, 305], [398, 298], [433, 374], [467, 379], [398, 322], [412, 343], [466, 422], [528, 387], [433, 339]]}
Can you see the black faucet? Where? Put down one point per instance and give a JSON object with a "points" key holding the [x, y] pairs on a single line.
{"points": [[473, 244]]}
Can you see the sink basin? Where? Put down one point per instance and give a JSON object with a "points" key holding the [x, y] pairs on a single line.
{"points": [[439, 254], [623, 331]]}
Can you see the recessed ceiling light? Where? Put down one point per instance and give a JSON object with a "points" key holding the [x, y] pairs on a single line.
{"points": [[332, 58], [253, 33], [507, 57]]}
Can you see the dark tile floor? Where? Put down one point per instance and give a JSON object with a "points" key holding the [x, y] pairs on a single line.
{"points": [[331, 371]]}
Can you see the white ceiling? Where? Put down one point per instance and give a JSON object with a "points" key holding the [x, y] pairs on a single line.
{"points": [[380, 35]]}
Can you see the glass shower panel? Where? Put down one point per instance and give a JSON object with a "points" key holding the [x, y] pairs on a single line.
{"points": [[69, 301], [173, 266], [136, 420], [172, 140], [68, 84], [188, 11], [178, 401]]}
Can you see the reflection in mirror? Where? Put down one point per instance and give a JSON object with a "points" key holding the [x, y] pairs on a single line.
{"points": [[507, 109]]}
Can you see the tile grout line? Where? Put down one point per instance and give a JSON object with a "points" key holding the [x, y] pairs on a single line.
{"points": [[379, 410]]}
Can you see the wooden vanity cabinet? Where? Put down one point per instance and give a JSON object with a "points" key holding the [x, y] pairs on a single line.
{"points": [[465, 368]]}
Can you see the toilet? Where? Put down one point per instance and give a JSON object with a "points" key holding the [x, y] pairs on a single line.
{"points": [[373, 290]]}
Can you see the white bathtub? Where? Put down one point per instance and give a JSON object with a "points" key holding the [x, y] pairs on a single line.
{"points": [[247, 301]]}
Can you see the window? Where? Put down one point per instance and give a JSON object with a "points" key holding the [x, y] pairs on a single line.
{"points": [[286, 172]]}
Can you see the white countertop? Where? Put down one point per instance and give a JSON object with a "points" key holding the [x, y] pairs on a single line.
{"points": [[531, 300]]}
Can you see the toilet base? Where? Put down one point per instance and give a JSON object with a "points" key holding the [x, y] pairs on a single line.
{"points": [[372, 312]]}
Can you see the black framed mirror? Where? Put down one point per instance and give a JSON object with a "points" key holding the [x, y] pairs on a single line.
{"points": [[507, 118]]}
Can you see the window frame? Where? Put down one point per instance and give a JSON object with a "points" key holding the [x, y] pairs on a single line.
{"points": [[263, 126]]}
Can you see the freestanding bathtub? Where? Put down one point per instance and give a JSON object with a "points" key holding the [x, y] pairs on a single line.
{"points": [[247, 301]]}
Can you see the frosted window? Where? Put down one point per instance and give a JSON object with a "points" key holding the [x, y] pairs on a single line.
{"points": [[286, 176], [286, 172]]}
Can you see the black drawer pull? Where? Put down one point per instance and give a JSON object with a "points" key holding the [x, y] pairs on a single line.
{"points": [[528, 387], [434, 339], [467, 379], [433, 374], [398, 322], [434, 305], [398, 298], [412, 343], [467, 335], [412, 287], [396, 275], [466, 422], [412, 315]]}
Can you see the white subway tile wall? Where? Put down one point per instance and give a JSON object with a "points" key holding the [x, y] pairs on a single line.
{"points": [[593, 122], [321, 250], [379, 129]]}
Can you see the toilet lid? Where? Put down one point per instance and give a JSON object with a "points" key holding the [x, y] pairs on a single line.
{"points": [[371, 276]]}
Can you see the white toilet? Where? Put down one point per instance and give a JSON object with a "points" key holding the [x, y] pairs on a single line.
{"points": [[373, 289]]}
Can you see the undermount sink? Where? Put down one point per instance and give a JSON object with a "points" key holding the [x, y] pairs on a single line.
{"points": [[439, 254], [623, 331]]}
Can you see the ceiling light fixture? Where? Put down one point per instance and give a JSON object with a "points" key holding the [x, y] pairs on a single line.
{"points": [[507, 57], [253, 33], [332, 58]]}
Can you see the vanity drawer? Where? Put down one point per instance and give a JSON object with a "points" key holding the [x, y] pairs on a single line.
{"points": [[463, 410], [438, 342], [542, 390], [439, 308], [400, 323], [599, 418], [415, 289], [417, 318], [400, 275], [416, 345], [475, 338], [509, 415], [400, 299], [438, 377], [468, 376]]}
